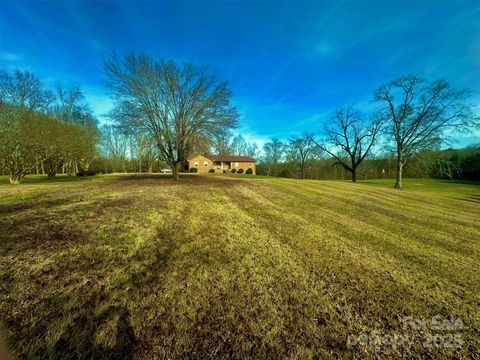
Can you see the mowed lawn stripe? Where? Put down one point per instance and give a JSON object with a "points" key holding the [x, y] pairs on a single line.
{"points": [[436, 261], [439, 230]]}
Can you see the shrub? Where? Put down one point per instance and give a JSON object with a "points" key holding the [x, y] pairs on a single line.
{"points": [[249, 171], [87, 173], [193, 170], [240, 171], [233, 171], [211, 171], [224, 171]]}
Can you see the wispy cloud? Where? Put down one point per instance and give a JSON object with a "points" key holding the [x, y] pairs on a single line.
{"points": [[10, 56], [289, 65]]}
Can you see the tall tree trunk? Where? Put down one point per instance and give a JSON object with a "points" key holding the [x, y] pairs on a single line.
{"points": [[15, 179], [176, 170], [398, 182], [354, 174]]}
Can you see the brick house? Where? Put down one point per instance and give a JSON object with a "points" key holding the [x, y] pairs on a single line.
{"points": [[220, 163]]}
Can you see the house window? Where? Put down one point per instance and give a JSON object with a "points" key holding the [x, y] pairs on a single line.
{"points": [[236, 164], [195, 164], [205, 163]]}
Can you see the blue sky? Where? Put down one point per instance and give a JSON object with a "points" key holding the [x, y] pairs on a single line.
{"points": [[289, 64]]}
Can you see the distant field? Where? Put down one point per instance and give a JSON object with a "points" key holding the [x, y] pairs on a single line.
{"points": [[139, 266]]}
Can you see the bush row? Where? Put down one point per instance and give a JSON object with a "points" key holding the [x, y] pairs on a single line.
{"points": [[233, 171]]}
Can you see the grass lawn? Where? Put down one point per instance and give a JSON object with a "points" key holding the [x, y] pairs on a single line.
{"points": [[139, 266]]}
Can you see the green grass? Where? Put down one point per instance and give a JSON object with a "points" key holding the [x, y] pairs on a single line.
{"points": [[234, 266]]}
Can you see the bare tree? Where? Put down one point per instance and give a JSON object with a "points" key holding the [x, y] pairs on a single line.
{"points": [[141, 150], [23, 140], [302, 151], [252, 150], [200, 145], [221, 146], [173, 103], [274, 151], [419, 114], [239, 145], [70, 105], [22, 128], [72, 109], [37, 132], [115, 145], [63, 143], [24, 90], [349, 138], [150, 154]]}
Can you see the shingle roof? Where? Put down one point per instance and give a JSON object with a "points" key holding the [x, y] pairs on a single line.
{"points": [[228, 158], [232, 158]]}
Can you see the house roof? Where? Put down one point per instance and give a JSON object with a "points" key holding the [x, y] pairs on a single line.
{"points": [[227, 158], [232, 158]]}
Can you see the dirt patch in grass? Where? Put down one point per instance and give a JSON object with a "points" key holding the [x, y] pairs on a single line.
{"points": [[167, 180]]}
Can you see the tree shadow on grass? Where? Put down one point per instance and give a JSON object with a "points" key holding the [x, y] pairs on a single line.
{"points": [[99, 326], [472, 198], [142, 270], [460, 182], [13, 207], [185, 179], [78, 340]]}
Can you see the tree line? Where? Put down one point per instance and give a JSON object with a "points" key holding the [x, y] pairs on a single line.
{"points": [[43, 131], [449, 164], [412, 116], [166, 111]]}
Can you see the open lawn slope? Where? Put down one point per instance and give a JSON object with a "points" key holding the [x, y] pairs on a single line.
{"points": [[231, 267]]}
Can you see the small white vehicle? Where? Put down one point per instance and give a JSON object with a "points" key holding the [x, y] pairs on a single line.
{"points": [[166, 171]]}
